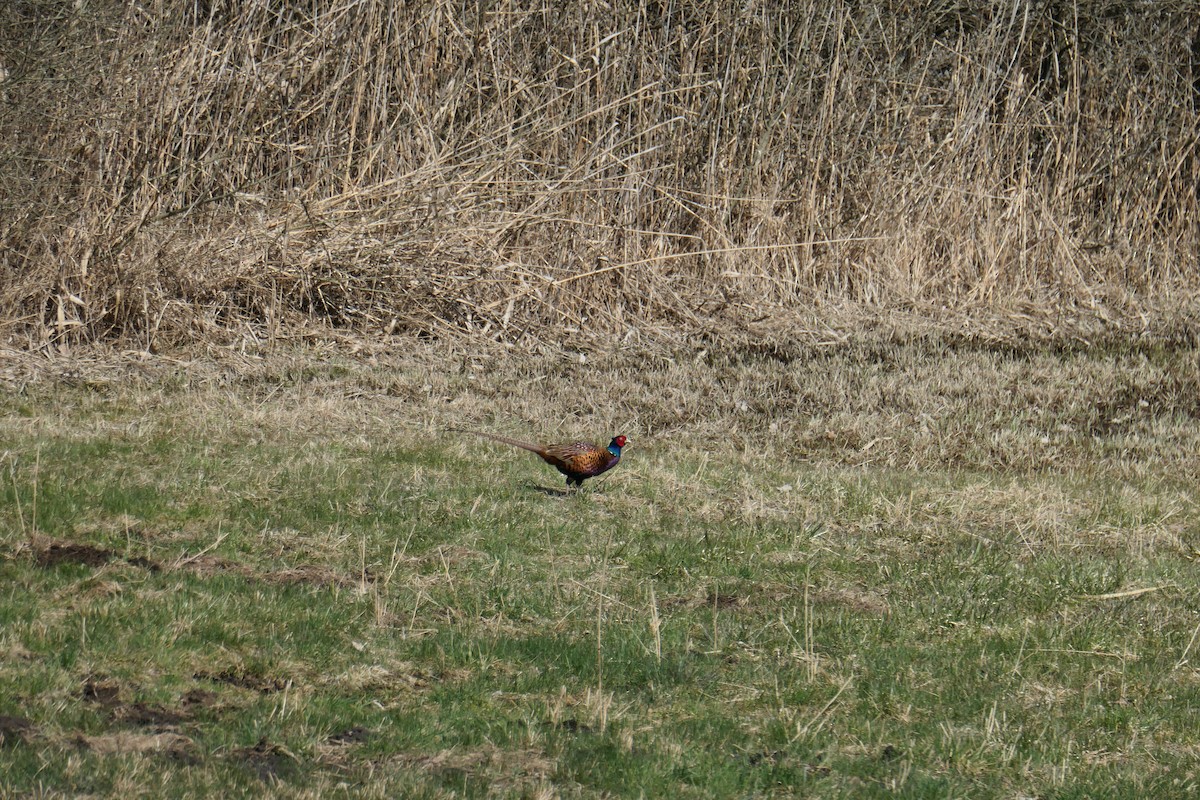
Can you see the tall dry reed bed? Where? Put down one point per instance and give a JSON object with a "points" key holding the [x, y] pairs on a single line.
{"points": [[530, 170]]}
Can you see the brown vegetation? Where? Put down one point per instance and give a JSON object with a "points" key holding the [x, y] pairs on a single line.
{"points": [[534, 171]]}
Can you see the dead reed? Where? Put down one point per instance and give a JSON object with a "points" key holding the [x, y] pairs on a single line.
{"points": [[541, 172]]}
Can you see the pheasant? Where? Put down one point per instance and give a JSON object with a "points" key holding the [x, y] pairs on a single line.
{"points": [[577, 460]]}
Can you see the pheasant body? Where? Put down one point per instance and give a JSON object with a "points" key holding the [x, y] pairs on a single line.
{"points": [[577, 460]]}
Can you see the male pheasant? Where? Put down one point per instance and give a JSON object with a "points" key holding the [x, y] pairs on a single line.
{"points": [[577, 460]]}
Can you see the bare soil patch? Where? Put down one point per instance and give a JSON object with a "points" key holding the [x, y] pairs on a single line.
{"points": [[267, 761], [244, 680], [14, 730]]}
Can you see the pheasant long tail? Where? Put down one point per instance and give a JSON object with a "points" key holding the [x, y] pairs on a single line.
{"points": [[531, 447]]}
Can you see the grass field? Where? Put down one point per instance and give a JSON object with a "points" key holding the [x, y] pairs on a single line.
{"points": [[892, 571]]}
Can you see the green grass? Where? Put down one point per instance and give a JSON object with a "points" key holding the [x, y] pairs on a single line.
{"points": [[286, 588]]}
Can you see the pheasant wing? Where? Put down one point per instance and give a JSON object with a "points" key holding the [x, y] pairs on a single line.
{"points": [[579, 458]]}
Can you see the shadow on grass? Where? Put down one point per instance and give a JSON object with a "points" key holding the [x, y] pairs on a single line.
{"points": [[551, 491]]}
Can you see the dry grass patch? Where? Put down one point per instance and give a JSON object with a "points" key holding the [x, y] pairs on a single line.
{"points": [[597, 173]]}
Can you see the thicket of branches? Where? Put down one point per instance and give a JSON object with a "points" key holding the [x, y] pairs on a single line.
{"points": [[199, 167]]}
